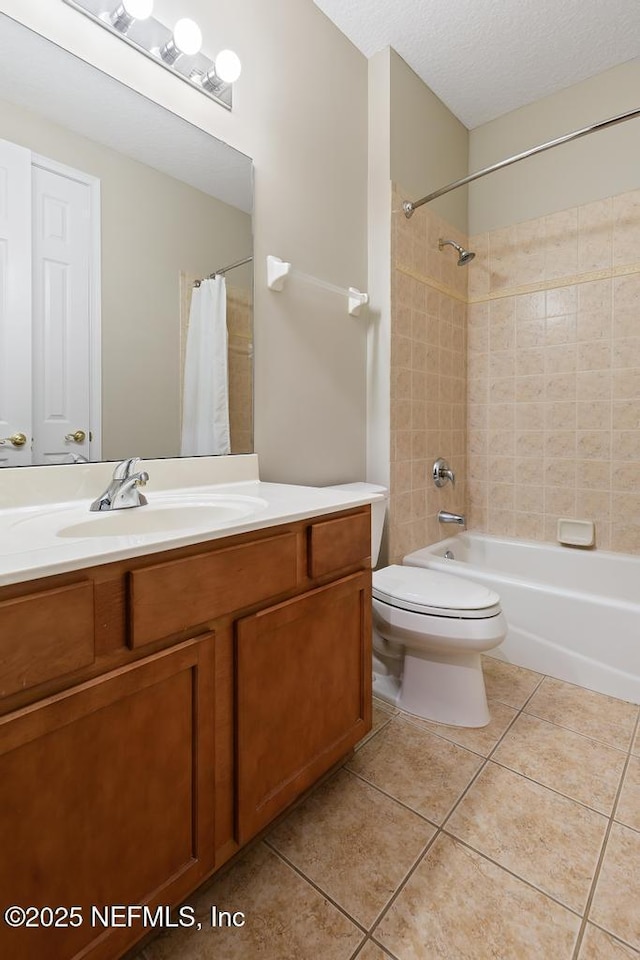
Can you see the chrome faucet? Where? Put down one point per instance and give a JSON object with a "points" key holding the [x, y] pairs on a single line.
{"points": [[442, 473], [445, 517], [123, 490]]}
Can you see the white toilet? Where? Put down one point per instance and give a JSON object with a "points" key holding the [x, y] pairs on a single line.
{"points": [[429, 630]]}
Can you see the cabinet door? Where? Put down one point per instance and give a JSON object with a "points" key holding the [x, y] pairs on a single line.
{"points": [[106, 798], [303, 696]]}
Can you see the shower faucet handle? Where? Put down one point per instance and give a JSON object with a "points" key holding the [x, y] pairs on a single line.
{"points": [[442, 472]]}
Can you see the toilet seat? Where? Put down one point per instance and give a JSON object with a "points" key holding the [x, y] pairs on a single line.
{"points": [[432, 593]]}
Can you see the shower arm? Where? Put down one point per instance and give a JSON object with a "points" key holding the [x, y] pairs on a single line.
{"points": [[410, 205]]}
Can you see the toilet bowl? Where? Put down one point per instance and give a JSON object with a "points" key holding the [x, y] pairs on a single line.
{"points": [[429, 631]]}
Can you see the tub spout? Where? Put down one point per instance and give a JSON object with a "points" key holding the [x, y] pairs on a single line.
{"points": [[445, 517]]}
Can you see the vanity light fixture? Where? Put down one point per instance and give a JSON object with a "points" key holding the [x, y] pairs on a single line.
{"points": [[128, 11], [226, 69], [186, 39], [177, 49]]}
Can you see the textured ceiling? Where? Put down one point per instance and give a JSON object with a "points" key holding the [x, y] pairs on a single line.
{"points": [[486, 58]]}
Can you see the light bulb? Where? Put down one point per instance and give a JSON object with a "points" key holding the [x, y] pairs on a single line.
{"points": [[228, 66], [187, 37], [138, 9]]}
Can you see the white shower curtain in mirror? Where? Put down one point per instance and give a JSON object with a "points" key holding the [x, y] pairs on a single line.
{"points": [[205, 402]]}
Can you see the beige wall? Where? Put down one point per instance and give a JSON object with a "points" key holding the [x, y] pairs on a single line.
{"points": [[592, 168], [554, 374], [300, 110], [379, 285], [152, 228], [429, 146]]}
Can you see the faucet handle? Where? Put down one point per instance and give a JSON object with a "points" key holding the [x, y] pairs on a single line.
{"points": [[443, 472], [126, 468]]}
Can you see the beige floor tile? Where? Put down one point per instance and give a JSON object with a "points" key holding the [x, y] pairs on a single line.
{"points": [[542, 837], [459, 906], [371, 951], [563, 760], [615, 904], [598, 945], [481, 740], [506, 682], [421, 770], [635, 749], [356, 844], [381, 714], [628, 810], [591, 714], [286, 919]]}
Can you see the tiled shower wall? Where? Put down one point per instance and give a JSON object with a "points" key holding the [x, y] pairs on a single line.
{"points": [[554, 374], [240, 327], [428, 377]]}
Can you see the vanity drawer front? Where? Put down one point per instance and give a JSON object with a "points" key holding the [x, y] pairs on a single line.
{"points": [[340, 543], [170, 597], [45, 635]]}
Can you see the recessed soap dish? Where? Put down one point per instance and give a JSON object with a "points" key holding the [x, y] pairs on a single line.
{"points": [[576, 533]]}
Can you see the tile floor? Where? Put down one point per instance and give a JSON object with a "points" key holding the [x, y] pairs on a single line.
{"points": [[520, 841]]}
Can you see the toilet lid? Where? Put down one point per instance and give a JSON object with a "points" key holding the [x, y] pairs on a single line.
{"points": [[429, 591]]}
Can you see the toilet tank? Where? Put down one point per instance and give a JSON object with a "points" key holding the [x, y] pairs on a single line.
{"points": [[378, 510]]}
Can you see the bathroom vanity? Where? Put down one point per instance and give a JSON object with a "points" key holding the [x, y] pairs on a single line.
{"points": [[160, 709]]}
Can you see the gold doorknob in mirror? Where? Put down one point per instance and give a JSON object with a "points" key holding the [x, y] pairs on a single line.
{"points": [[78, 437], [17, 439]]}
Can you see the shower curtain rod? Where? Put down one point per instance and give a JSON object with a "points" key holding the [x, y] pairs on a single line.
{"points": [[410, 205], [231, 266]]}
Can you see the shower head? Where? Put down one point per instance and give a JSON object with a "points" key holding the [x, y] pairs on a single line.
{"points": [[465, 256]]}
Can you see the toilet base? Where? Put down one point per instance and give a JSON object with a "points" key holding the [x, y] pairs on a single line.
{"points": [[445, 689], [442, 689]]}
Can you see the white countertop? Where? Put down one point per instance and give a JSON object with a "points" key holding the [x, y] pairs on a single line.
{"points": [[37, 539]]}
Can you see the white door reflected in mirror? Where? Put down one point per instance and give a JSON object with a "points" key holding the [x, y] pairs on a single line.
{"points": [[52, 236]]}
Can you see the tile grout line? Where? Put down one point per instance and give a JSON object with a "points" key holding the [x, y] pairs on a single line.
{"points": [[516, 876], [603, 743], [385, 950], [440, 828], [603, 850], [614, 935], [281, 856], [389, 796]]}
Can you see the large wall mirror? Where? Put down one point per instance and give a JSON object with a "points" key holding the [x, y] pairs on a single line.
{"points": [[112, 209]]}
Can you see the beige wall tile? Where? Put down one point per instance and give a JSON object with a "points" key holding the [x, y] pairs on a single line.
{"points": [[625, 537], [626, 229], [595, 235], [529, 526], [594, 474], [563, 354]]}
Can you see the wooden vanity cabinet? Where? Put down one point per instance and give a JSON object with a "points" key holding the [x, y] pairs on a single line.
{"points": [[105, 799], [204, 689], [302, 696]]}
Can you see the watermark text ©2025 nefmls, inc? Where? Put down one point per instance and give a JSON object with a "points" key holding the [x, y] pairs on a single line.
{"points": [[120, 915]]}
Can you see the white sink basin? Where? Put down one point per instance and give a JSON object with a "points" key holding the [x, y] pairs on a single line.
{"points": [[159, 515]]}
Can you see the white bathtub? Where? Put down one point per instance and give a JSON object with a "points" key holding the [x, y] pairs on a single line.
{"points": [[572, 614]]}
